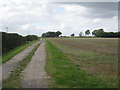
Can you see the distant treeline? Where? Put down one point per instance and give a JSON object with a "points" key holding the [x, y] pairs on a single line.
{"points": [[95, 33], [12, 40], [51, 34], [101, 33]]}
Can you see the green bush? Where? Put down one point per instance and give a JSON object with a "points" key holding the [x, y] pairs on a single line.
{"points": [[12, 40]]}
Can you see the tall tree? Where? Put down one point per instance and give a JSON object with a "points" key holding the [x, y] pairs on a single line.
{"points": [[80, 34], [51, 34], [98, 32], [87, 32], [58, 33], [72, 35]]}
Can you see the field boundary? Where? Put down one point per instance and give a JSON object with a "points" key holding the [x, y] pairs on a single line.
{"points": [[66, 74], [7, 56]]}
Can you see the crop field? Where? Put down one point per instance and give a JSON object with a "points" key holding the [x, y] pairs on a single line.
{"points": [[69, 58]]}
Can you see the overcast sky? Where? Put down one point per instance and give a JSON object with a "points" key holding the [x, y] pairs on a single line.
{"points": [[23, 16]]}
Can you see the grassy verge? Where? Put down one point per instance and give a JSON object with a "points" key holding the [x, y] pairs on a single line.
{"points": [[65, 74], [10, 54], [15, 79]]}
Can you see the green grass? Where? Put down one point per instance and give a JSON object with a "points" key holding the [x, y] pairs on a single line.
{"points": [[65, 74], [13, 52], [15, 79]]}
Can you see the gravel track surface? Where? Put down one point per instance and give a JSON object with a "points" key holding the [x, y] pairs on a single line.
{"points": [[34, 75], [10, 65]]}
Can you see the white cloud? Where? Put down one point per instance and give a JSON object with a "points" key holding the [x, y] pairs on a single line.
{"points": [[25, 26], [114, 17], [37, 17], [97, 20]]}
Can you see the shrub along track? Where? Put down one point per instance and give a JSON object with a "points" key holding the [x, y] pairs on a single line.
{"points": [[10, 54], [17, 64]]}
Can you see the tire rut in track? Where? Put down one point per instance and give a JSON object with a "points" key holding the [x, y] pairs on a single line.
{"points": [[10, 65], [34, 75]]}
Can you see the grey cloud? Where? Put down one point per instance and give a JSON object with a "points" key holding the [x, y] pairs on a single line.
{"points": [[97, 9]]}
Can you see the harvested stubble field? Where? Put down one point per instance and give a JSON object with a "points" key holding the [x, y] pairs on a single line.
{"points": [[97, 57]]}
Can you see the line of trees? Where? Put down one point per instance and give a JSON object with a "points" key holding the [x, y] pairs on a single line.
{"points": [[99, 33], [31, 37], [96, 33], [51, 34], [12, 40]]}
